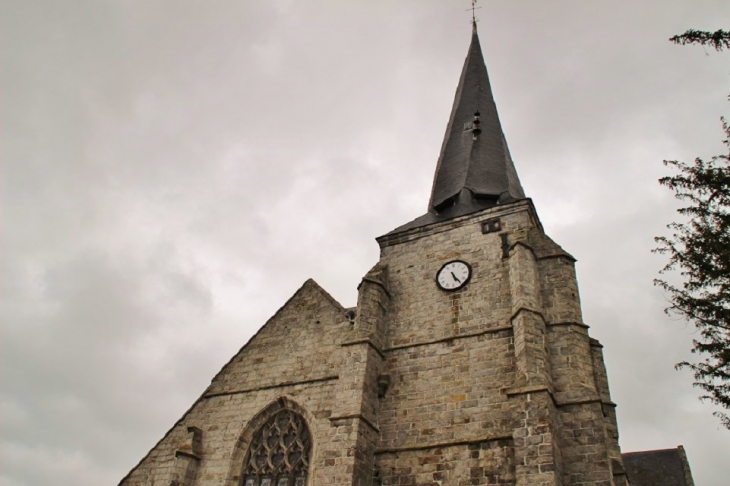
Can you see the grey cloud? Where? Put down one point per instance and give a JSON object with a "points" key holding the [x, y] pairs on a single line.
{"points": [[173, 172]]}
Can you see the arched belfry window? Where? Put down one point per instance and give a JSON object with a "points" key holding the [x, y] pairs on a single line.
{"points": [[279, 452]]}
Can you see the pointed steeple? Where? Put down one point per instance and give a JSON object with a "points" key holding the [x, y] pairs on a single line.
{"points": [[475, 168]]}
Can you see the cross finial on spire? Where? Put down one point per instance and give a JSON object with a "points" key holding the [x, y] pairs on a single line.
{"points": [[474, 8]]}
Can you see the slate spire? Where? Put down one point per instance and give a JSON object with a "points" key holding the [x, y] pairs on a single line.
{"points": [[474, 167]]}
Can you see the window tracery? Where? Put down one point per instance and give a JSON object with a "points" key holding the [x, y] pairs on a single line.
{"points": [[279, 452]]}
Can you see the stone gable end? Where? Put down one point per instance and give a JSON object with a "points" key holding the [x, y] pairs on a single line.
{"points": [[293, 360]]}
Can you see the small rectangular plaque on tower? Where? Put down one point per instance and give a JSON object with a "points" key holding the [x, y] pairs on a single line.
{"points": [[491, 226]]}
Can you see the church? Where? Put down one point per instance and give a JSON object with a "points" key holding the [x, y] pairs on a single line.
{"points": [[465, 362]]}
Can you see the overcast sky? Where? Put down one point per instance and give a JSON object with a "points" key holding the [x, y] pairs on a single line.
{"points": [[172, 171]]}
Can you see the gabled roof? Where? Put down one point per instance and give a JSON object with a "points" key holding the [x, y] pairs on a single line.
{"points": [[664, 467], [474, 154]]}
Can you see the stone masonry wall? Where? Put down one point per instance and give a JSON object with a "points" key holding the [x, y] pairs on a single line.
{"points": [[447, 418], [475, 463], [507, 358], [296, 357], [423, 313], [449, 355], [448, 391]]}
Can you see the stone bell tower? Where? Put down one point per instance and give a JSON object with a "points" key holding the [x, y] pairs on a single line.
{"points": [[465, 362], [494, 378]]}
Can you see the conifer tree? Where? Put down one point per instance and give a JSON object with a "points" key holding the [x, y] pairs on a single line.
{"points": [[720, 39], [699, 249]]}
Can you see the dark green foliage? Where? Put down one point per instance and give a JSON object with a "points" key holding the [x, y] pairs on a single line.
{"points": [[719, 39], [700, 250]]}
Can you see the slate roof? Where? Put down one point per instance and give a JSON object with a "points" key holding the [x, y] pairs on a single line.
{"points": [[481, 163], [474, 169], [665, 467]]}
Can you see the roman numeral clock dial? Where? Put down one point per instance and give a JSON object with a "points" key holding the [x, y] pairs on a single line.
{"points": [[453, 275]]}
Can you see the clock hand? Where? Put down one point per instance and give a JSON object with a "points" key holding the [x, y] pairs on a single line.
{"points": [[452, 274]]}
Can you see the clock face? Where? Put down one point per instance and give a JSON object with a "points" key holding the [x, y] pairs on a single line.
{"points": [[453, 275]]}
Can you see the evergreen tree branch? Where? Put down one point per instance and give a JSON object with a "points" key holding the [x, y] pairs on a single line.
{"points": [[699, 249], [719, 40]]}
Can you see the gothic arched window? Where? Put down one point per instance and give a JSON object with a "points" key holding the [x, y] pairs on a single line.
{"points": [[279, 452]]}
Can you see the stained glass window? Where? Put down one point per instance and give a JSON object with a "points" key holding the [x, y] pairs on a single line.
{"points": [[279, 452]]}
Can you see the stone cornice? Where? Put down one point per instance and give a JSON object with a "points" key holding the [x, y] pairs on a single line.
{"points": [[187, 454], [568, 323], [357, 416], [283, 384], [449, 338], [375, 282], [367, 341], [449, 224], [438, 445]]}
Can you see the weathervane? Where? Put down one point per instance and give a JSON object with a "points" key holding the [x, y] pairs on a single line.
{"points": [[473, 9]]}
